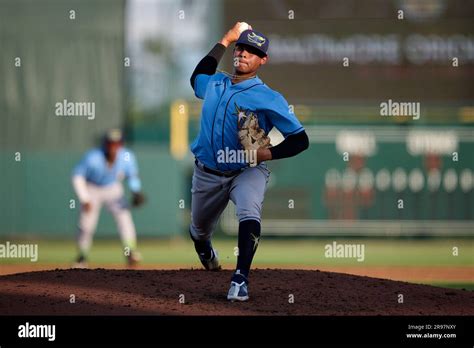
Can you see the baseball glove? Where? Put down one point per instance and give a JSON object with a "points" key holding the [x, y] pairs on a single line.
{"points": [[251, 136], [138, 199]]}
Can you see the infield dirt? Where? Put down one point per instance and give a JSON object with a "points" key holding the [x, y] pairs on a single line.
{"points": [[197, 292]]}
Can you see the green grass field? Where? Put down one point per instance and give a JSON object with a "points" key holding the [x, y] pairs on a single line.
{"points": [[431, 253], [272, 252]]}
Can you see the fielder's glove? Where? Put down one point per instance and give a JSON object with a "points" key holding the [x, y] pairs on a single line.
{"points": [[138, 199], [251, 136]]}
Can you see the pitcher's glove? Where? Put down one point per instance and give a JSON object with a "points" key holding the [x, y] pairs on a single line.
{"points": [[138, 199], [251, 136]]}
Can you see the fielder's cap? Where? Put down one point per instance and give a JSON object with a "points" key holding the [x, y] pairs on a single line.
{"points": [[254, 39], [114, 135]]}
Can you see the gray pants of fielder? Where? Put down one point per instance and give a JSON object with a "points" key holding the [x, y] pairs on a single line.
{"points": [[211, 193]]}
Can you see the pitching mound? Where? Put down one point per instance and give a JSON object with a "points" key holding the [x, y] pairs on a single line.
{"points": [[272, 292]]}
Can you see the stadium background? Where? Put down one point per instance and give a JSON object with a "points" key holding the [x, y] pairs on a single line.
{"points": [[134, 60]]}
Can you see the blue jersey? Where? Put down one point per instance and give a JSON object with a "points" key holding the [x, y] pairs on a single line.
{"points": [[223, 103], [94, 168]]}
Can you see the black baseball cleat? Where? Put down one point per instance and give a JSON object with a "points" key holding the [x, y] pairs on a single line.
{"points": [[211, 264], [238, 288], [238, 292]]}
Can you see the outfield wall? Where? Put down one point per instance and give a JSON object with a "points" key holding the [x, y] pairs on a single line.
{"points": [[316, 193]]}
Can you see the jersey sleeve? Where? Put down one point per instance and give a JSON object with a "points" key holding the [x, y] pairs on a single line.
{"points": [[279, 114], [131, 172], [81, 168], [200, 85]]}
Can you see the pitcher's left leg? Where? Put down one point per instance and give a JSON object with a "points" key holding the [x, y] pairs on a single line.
{"points": [[247, 193]]}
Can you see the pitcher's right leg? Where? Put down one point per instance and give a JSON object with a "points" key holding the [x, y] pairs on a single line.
{"points": [[209, 199]]}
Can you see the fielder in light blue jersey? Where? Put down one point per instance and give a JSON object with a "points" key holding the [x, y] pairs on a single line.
{"points": [[97, 181]]}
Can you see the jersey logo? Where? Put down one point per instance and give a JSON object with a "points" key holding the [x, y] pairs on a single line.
{"points": [[242, 115], [256, 39]]}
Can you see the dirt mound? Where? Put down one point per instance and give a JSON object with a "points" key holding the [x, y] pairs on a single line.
{"points": [[197, 292]]}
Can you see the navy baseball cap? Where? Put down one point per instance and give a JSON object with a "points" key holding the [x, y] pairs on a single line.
{"points": [[254, 39]]}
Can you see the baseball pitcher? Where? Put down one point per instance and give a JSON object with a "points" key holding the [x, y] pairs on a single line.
{"points": [[231, 149], [97, 181]]}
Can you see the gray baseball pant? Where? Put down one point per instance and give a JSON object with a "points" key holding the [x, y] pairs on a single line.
{"points": [[211, 194]]}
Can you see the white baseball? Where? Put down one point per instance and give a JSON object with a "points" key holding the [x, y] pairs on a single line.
{"points": [[244, 26]]}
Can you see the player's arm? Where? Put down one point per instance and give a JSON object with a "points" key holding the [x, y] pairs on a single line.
{"points": [[208, 65], [133, 179], [296, 139], [79, 183], [291, 146]]}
